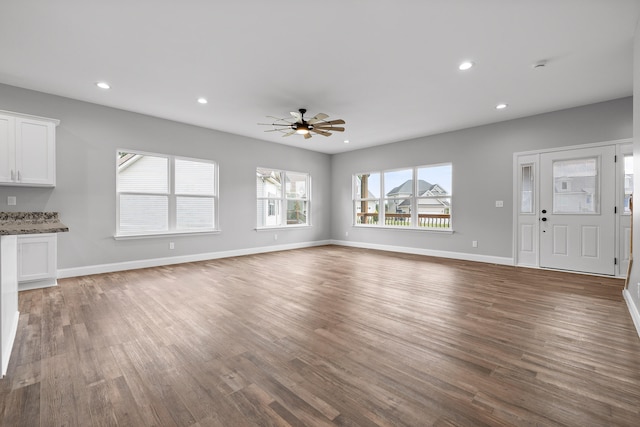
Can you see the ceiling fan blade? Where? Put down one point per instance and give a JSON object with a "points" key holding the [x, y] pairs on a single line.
{"points": [[274, 124], [307, 135], [332, 122], [321, 132], [279, 119], [289, 133], [318, 117], [297, 116], [329, 128]]}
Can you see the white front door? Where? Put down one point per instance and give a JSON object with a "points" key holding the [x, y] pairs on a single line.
{"points": [[577, 210]]}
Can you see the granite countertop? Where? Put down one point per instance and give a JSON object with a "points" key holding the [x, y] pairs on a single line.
{"points": [[30, 223]]}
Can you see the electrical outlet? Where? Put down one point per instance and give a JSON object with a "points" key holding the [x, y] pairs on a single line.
{"points": [[172, 245], [11, 200], [346, 234], [275, 237], [474, 244]]}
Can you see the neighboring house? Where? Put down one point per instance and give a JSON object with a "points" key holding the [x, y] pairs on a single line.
{"points": [[371, 207], [143, 181], [428, 202], [573, 194], [269, 187]]}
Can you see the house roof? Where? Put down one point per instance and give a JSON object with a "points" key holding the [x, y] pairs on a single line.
{"points": [[423, 187], [407, 187]]}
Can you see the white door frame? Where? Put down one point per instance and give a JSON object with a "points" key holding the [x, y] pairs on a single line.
{"points": [[623, 146]]}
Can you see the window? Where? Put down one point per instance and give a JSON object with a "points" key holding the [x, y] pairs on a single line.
{"points": [[418, 197], [527, 188], [278, 205], [576, 186], [367, 198], [160, 194], [628, 181]]}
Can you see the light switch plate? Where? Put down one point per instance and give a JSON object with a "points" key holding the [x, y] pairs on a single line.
{"points": [[499, 203], [11, 200]]}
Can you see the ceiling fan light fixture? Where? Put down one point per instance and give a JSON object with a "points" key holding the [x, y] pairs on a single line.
{"points": [[302, 131]]}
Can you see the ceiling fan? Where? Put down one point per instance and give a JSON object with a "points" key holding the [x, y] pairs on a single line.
{"points": [[297, 124]]}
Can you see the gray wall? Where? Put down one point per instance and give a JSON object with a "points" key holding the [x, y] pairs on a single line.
{"points": [[87, 139], [482, 160], [634, 280]]}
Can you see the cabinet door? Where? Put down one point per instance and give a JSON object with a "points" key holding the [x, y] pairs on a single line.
{"points": [[35, 152], [7, 149], [37, 256]]}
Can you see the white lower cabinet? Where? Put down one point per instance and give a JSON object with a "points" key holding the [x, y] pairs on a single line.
{"points": [[37, 260]]}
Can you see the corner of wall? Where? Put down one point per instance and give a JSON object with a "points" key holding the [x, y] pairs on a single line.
{"points": [[632, 293]]}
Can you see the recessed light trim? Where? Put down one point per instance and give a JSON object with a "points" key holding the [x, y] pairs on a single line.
{"points": [[202, 100], [466, 65], [501, 106], [346, 141], [103, 85]]}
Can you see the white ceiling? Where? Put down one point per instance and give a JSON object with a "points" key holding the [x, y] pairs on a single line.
{"points": [[388, 68]]}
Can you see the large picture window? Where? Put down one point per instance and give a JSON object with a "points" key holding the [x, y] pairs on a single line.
{"points": [[161, 194], [283, 198], [417, 197]]}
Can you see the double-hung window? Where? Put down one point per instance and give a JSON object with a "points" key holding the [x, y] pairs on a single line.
{"points": [[283, 198], [417, 197], [162, 194]]}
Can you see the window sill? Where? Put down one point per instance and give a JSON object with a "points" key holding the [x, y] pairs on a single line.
{"points": [[164, 234], [420, 229], [282, 227]]}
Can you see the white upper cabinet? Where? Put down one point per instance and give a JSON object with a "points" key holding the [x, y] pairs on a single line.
{"points": [[27, 150]]}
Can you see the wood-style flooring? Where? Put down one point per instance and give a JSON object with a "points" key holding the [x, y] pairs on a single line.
{"points": [[326, 336]]}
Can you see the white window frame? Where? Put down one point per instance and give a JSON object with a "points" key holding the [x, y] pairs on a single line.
{"points": [[281, 201], [172, 198], [414, 201]]}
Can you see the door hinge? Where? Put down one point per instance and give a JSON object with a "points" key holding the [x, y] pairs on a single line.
{"points": [[615, 209], [615, 261], [615, 158]]}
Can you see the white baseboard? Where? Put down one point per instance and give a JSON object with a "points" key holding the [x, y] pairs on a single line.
{"points": [[428, 252], [633, 310], [156, 262], [37, 284]]}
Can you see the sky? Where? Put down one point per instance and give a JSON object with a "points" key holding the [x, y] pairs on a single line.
{"points": [[440, 175]]}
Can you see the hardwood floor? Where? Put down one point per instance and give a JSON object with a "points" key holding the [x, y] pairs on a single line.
{"points": [[323, 337]]}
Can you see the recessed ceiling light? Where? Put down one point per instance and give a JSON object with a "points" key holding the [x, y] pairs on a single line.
{"points": [[465, 65], [346, 141], [103, 85], [202, 100], [501, 106]]}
